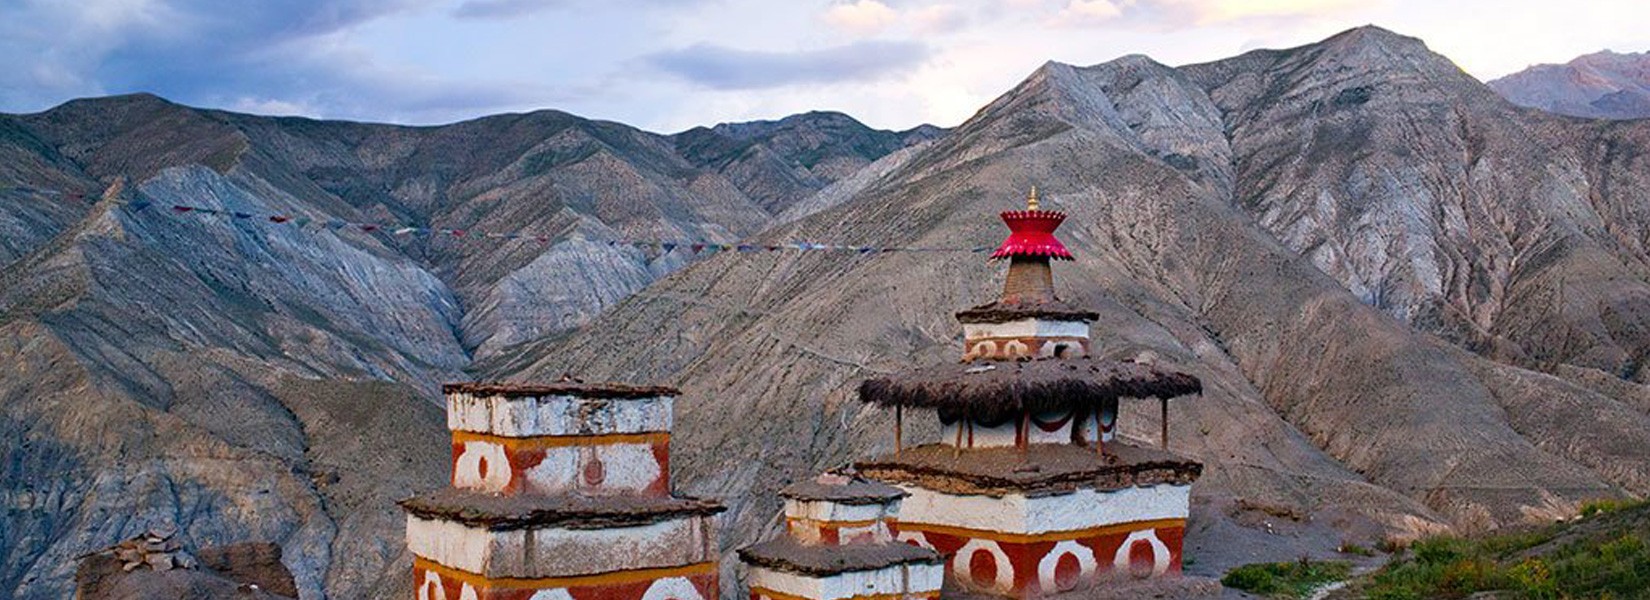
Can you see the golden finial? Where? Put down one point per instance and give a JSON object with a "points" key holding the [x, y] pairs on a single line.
{"points": [[1031, 201]]}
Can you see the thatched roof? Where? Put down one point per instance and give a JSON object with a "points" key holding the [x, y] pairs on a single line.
{"points": [[1003, 312], [570, 511], [1038, 469], [786, 554], [562, 388], [996, 390]]}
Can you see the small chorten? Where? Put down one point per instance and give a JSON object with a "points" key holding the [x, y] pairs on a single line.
{"points": [[839, 544], [561, 492], [1029, 491]]}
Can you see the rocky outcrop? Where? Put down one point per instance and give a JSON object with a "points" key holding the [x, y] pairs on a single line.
{"points": [[156, 565], [779, 163], [1602, 85]]}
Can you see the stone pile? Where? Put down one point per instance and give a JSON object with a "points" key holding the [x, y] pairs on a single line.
{"points": [[157, 549]]}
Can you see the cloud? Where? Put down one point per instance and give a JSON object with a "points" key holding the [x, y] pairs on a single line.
{"points": [[1181, 14], [1087, 12], [863, 16], [938, 18], [270, 57], [725, 68], [1208, 12], [503, 9]]}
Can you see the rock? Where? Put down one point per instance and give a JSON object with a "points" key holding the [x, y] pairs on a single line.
{"points": [[157, 566], [1307, 269], [1604, 85], [162, 363], [1392, 283]]}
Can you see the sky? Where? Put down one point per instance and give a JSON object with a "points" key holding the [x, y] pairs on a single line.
{"points": [[668, 65]]}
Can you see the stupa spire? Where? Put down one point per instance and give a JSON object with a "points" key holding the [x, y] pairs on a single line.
{"points": [[1029, 492]]}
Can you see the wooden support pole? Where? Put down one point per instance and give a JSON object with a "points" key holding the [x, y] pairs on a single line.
{"points": [[899, 429], [1099, 432], [1164, 403], [1025, 430]]}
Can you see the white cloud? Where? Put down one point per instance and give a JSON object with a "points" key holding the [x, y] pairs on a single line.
{"points": [[891, 63], [938, 18], [863, 16], [720, 67], [1087, 12], [271, 106], [1206, 12]]}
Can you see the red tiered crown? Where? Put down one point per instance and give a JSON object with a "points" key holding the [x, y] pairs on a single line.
{"points": [[1032, 232]]}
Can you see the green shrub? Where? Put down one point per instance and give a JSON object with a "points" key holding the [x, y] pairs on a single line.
{"points": [[1609, 559], [1287, 579], [1608, 505], [1354, 549]]}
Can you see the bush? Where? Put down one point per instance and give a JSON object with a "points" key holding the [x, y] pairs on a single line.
{"points": [[1354, 549], [1607, 506], [1604, 560], [1287, 579]]}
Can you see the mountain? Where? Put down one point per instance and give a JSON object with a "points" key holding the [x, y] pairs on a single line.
{"points": [[1602, 85], [777, 163], [1414, 306], [254, 381]]}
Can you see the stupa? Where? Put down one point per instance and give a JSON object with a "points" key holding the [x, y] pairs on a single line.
{"points": [[839, 545], [561, 492], [1030, 492]]}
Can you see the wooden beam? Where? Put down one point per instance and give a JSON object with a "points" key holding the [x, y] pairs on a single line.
{"points": [[1099, 432], [899, 428], [1164, 403]]}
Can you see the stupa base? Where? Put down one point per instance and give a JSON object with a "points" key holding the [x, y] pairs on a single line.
{"points": [[434, 581]]}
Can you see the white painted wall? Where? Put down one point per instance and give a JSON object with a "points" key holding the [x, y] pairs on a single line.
{"points": [[1016, 513], [984, 437], [551, 552], [819, 510], [556, 415], [1025, 328], [898, 579], [1003, 435]]}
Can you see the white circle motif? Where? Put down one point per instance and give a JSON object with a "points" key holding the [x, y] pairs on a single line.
{"points": [[467, 471], [672, 588], [915, 536], [432, 580], [961, 565], [1045, 569], [1160, 552]]}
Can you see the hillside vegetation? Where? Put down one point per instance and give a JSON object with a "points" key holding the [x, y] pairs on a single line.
{"points": [[1605, 554]]}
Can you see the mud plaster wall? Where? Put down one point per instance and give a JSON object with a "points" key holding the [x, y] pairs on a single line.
{"points": [[556, 415], [913, 579], [550, 552], [1018, 514]]}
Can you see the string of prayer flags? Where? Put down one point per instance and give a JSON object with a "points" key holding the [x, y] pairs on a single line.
{"points": [[696, 247]]}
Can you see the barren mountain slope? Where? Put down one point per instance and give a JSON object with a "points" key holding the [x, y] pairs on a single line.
{"points": [[1413, 306], [1317, 404], [1606, 84], [1432, 199], [778, 163], [235, 375]]}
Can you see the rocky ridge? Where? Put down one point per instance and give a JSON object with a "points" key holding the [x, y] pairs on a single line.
{"points": [[1602, 85], [1392, 283], [253, 381]]}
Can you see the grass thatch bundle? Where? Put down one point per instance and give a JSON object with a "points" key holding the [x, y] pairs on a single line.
{"points": [[992, 391]]}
